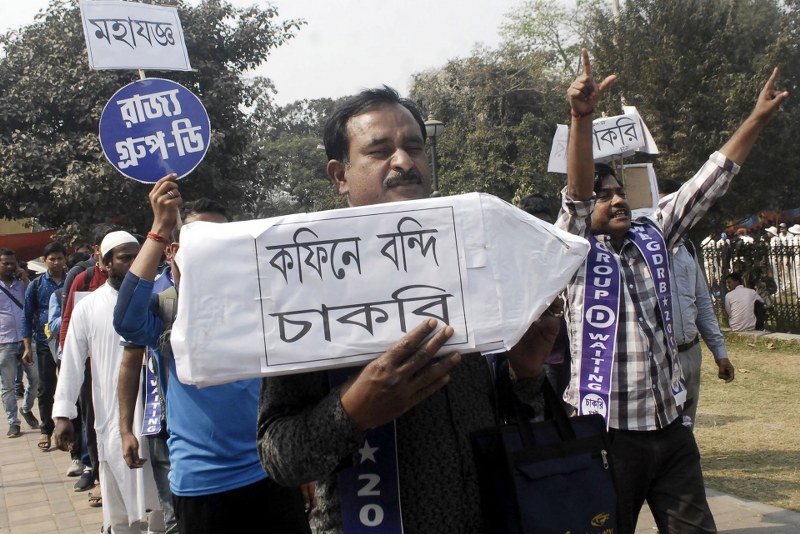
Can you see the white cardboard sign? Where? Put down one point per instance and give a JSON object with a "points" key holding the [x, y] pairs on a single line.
{"points": [[132, 35], [620, 136], [337, 288], [641, 188]]}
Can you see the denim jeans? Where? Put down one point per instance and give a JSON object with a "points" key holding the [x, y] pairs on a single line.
{"points": [[18, 380], [32, 388], [159, 460], [9, 357], [47, 386]]}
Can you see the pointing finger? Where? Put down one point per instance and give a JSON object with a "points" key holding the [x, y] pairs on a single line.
{"points": [[587, 69], [770, 86]]}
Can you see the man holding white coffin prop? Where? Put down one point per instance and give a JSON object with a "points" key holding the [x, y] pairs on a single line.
{"points": [[620, 316], [310, 426]]}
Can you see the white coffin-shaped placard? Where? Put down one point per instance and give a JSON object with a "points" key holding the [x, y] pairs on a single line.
{"points": [[336, 288]]}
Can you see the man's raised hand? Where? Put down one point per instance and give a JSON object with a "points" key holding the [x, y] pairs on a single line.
{"points": [[769, 99], [584, 93]]}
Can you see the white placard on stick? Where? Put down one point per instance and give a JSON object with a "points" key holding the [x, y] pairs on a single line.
{"points": [[132, 35], [619, 136], [337, 288]]}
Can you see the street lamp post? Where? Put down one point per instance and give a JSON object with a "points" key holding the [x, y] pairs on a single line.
{"points": [[433, 129]]}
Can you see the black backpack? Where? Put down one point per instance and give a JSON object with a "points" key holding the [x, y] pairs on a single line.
{"points": [[87, 266]]}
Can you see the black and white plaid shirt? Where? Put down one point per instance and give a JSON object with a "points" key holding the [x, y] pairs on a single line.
{"points": [[641, 395]]}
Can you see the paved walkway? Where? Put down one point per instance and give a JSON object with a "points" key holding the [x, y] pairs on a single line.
{"points": [[36, 496], [738, 516]]}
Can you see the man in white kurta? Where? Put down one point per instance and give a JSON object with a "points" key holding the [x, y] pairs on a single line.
{"points": [[127, 493]]}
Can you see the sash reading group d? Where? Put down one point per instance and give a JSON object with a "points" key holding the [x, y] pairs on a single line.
{"points": [[601, 316]]}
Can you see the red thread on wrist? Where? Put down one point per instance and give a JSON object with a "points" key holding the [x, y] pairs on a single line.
{"points": [[581, 115], [156, 237]]}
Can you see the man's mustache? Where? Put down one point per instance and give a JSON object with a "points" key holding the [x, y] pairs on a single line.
{"points": [[401, 178]]}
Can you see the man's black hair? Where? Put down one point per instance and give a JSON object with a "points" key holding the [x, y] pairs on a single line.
{"points": [[735, 276], [7, 252], [667, 186], [75, 258], [101, 230], [54, 248], [204, 205], [335, 133], [535, 204], [601, 170]]}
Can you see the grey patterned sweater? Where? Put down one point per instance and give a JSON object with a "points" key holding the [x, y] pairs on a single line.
{"points": [[305, 435]]}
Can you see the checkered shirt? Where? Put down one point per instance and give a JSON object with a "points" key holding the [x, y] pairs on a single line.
{"points": [[641, 395]]}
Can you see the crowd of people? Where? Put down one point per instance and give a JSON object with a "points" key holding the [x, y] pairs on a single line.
{"points": [[757, 268], [282, 451]]}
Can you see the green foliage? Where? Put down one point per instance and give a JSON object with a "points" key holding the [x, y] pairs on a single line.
{"points": [[500, 113], [51, 163], [290, 160], [548, 28], [693, 69]]}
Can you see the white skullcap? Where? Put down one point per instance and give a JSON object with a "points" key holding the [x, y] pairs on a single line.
{"points": [[115, 239]]}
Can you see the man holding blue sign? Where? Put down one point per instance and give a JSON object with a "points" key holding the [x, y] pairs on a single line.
{"points": [[620, 315], [215, 475]]}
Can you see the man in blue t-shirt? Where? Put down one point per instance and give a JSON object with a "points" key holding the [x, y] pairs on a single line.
{"points": [[216, 476], [37, 303]]}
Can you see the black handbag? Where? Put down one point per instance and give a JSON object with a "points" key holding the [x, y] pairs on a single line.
{"points": [[547, 477]]}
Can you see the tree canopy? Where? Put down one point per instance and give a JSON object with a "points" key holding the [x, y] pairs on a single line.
{"points": [[695, 78], [51, 163], [500, 116], [290, 159], [693, 69]]}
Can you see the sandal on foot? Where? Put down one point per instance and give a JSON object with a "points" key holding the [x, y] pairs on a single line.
{"points": [[95, 501], [44, 443]]}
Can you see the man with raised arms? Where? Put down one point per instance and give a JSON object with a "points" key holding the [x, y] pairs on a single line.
{"points": [[620, 315]]}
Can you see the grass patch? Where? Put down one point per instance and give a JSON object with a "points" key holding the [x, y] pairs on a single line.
{"points": [[748, 431]]}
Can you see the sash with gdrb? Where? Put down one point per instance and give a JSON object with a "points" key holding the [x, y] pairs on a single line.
{"points": [[601, 317]]}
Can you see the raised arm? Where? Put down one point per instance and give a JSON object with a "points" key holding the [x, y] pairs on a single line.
{"points": [[741, 142], [165, 199], [583, 96], [133, 319]]}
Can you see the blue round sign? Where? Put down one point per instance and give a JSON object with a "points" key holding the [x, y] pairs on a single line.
{"points": [[154, 127]]}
